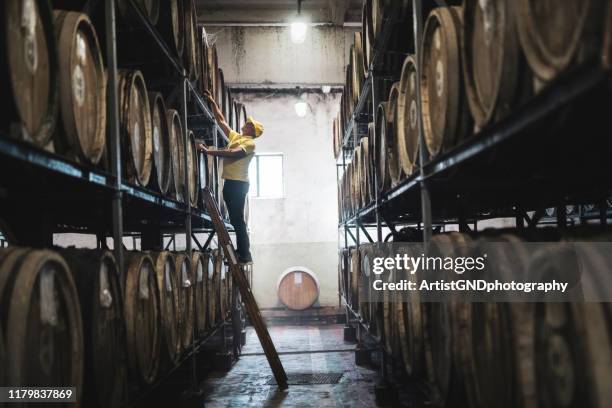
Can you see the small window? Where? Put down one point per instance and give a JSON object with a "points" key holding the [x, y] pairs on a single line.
{"points": [[266, 176]]}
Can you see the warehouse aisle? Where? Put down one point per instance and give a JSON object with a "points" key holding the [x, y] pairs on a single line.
{"points": [[318, 350]]}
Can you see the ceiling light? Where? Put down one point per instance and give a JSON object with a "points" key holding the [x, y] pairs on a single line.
{"points": [[326, 89], [301, 108], [299, 27]]}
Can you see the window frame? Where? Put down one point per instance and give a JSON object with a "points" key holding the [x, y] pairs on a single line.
{"points": [[256, 157]]}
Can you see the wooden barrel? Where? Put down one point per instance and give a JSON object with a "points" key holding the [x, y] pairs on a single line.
{"points": [[142, 317], [36, 287], [82, 81], [409, 318], [192, 168], [367, 35], [204, 73], [394, 165], [356, 169], [135, 127], [29, 70], [213, 68], [212, 289], [407, 128], [161, 175], [553, 33], [297, 288], [199, 263], [165, 270], [175, 131], [354, 278], [389, 318], [191, 53], [185, 285], [220, 88], [357, 66], [367, 253], [150, 9], [446, 120], [440, 325], [171, 24], [220, 272], [491, 59], [383, 177], [97, 279]]}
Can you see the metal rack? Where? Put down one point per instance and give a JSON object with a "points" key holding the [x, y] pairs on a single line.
{"points": [[54, 194], [513, 169]]}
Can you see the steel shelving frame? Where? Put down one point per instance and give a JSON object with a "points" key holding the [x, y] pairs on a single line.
{"points": [[74, 197], [498, 172]]}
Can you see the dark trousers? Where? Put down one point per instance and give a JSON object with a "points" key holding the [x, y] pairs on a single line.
{"points": [[234, 194]]}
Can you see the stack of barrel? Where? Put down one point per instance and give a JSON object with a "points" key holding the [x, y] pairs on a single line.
{"points": [[531, 351], [82, 328], [479, 63], [65, 72]]}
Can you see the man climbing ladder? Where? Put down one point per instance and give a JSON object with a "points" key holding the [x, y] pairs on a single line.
{"points": [[236, 159]]}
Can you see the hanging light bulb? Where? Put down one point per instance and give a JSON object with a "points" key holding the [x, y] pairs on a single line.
{"points": [[301, 108], [299, 27]]}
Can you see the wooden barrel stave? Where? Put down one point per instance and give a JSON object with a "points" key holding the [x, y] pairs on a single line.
{"points": [[394, 165], [142, 317], [199, 263], [185, 285], [191, 51], [165, 271], [97, 279], [175, 131], [135, 126], [161, 175], [82, 81], [29, 71], [213, 287], [407, 134], [171, 24], [192, 169], [383, 176], [37, 287], [446, 119]]}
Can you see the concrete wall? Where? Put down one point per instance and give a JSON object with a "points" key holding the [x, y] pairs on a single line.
{"points": [[256, 55], [299, 229]]}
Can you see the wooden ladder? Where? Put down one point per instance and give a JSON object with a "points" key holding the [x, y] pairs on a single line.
{"points": [[245, 291]]}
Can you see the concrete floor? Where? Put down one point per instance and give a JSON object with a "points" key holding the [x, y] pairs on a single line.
{"points": [[245, 385]]}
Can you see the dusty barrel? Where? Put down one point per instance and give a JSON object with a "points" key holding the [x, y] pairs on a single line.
{"points": [[171, 24], [28, 70], [297, 288], [185, 284], [177, 146], [199, 264], [191, 51], [491, 58], [192, 169], [220, 88], [97, 279], [383, 176], [204, 68], [357, 66], [149, 8], [219, 280], [212, 290], [213, 68], [82, 81], [446, 119], [367, 253], [37, 287], [554, 33], [161, 176], [142, 317], [135, 127], [165, 271], [356, 168], [406, 129]]}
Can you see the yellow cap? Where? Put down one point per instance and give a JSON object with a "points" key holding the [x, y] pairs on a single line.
{"points": [[257, 125]]}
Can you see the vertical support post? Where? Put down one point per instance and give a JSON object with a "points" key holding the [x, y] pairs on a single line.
{"points": [[417, 10], [194, 373], [113, 126]]}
